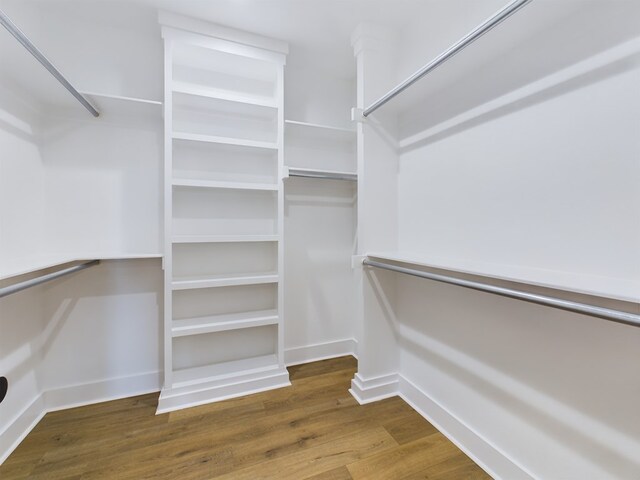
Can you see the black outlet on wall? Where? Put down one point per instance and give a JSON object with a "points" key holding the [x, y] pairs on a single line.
{"points": [[4, 386]]}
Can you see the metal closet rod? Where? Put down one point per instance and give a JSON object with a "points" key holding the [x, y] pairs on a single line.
{"points": [[45, 278], [468, 39], [584, 308], [26, 43], [295, 172]]}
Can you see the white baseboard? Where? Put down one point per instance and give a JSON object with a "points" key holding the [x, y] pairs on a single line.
{"points": [[101, 391], [495, 462], [11, 437], [367, 390], [195, 395], [73, 396], [320, 351]]}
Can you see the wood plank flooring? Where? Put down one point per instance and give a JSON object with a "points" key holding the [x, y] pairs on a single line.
{"points": [[312, 430]]}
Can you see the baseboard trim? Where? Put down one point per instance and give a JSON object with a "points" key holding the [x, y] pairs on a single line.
{"points": [[73, 396], [490, 458], [320, 351], [170, 401], [367, 390], [101, 391], [17, 430]]}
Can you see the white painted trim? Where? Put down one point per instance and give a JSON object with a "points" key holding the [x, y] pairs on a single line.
{"points": [[101, 391], [20, 427], [168, 401], [70, 397], [367, 390], [203, 27], [489, 457], [492, 459], [320, 351]]}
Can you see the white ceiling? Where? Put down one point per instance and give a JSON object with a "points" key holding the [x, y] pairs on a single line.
{"points": [[318, 31]]}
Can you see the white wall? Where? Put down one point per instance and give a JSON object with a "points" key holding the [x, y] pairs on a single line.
{"points": [[542, 183], [102, 186]]}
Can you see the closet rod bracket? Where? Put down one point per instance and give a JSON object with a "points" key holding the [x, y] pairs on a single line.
{"points": [[357, 115]]}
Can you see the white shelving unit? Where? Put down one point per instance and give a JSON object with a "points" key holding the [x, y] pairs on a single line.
{"points": [[224, 206], [319, 147]]}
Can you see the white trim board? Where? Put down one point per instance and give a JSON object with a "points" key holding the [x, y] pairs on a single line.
{"points": [[70, 397], [320, 351], [491, 459], [495, 462]]}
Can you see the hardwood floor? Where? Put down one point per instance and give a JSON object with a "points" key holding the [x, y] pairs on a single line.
{"points": [[312, 430]]}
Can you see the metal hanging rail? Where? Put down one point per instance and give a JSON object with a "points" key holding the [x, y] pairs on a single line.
{"points": [[595, 311], [45, 278], [26, 43], [468, 39], [325, 174]]}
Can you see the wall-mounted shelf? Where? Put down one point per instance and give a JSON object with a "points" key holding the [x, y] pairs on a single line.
{"points": [[196, 137], [221, 94], [220, 323], [125, 107], [319, 131], [44, 262], [183, 182], [224, 238], [323, 174], [227, 280], [614, 288]]}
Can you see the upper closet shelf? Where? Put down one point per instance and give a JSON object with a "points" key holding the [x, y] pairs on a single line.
{"points": [[221, 94], [324, 174], [125, 107], [606, 287], [224, 238], [184, 182], [315, 130], [196, 137], [44, 262]]}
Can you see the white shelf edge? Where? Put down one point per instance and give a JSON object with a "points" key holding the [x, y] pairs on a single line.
{"points": [[188, 283], [316, 170], [224, 370], [224, 238], [220, 323], [185, 182], [123, 98], [197, 137], [564, 281], [186, 88], [51, 262], [320, 126]]}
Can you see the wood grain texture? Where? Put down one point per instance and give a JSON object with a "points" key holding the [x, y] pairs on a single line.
{"points": [[311, 430]]}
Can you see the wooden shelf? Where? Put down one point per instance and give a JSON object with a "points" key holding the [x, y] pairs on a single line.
{"points": [[225, 370], [220, 94], [220, 323], [224, 238], [614, 288], [196, 137], [184, 182], [208, 281]]}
